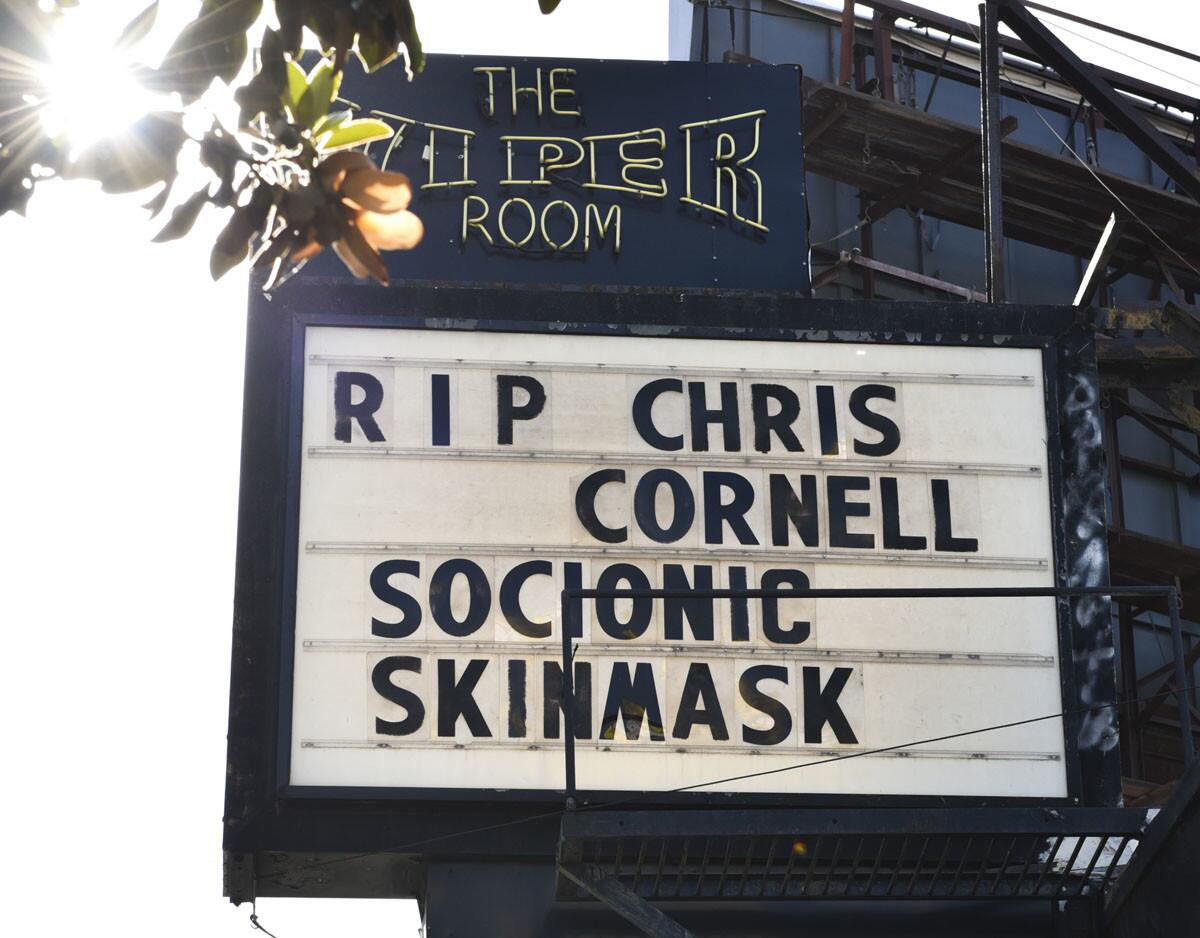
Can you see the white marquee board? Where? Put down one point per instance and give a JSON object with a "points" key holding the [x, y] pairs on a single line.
{"points": [[432, 460]]}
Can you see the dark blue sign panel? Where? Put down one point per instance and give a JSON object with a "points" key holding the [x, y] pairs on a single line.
{"points": [[591, 172]]}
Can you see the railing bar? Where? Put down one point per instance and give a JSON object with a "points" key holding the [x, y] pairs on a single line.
{"points": [[853, 875], [762, 886], [1004, 864], [883, 842], [811, 866], [917, 866], [1035, 840], [1037, 888], [791, 866], [1101, 841], [662, 859], [703, 867], [682, 864], [725, 868], [939, 869], [1065, 877], [987, 855], [746, 868], [637, 870], [1116, 860], [961, 864], [618, 857], [899, 863], [837, 844]]}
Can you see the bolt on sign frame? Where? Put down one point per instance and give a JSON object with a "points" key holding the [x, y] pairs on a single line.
{"points": [[294, 826]]}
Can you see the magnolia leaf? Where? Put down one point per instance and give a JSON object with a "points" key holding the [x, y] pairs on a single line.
{"points": [[138, 157], [406, 28], [138, 28], [352, 133], [297, 84], [548, 6], [323, 84], [375, 48], [183, 217], [233, 243], [159, 201], [211, 46], [330, 121], [220, 262]]}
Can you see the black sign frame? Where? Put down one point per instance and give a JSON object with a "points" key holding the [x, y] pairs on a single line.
{"points": [[270, 825]]}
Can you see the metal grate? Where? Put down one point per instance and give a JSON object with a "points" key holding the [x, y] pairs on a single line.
{"points": [[1005, 860]]}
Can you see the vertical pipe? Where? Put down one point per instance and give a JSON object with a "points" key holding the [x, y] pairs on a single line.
{"points": [[1181, 682], [881, 36], [565, 623], [846, 62], [989, 112]]}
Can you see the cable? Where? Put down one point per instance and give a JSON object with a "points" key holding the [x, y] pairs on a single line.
{"points": [[640, 796], [254, 922], [1082, 162], [1188, 264], [1132, 58]]}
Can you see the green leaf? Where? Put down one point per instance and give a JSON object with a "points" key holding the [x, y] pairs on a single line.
{"points": [[138, 27], [548, 6], [330, 121], [297, 84], [183, 217], [353, 133], [323, 84]]}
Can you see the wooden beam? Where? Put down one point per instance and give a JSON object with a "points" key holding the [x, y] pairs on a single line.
{"points": [[869, 263], [901, 195], [827, 120]]}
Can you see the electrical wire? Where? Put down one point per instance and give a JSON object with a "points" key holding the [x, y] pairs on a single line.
{"points": [[1133, 58], [641, 796], [1082, 162]]}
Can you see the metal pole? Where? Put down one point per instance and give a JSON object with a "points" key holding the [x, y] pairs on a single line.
{"points": [[1181, 681], [568, 694], [989, 127]]}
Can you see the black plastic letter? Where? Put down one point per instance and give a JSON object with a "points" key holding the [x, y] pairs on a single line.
{"points": [[507, 411], [585, 506], [410, 609], [776, 710], [344, 410], [381, 680]]}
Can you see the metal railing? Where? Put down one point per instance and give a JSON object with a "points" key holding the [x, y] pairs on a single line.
{"points": [[571, 624]]}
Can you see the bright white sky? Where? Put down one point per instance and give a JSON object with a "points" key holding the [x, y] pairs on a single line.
{"points": [[122, 395]]}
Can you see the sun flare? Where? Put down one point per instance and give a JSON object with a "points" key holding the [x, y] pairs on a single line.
{"points": [[90, 87]]}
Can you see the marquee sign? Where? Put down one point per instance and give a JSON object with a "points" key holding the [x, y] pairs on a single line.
{"points": [[453, 483], [638, 173]]}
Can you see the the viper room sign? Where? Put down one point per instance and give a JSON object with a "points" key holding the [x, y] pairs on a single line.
{"points": [[452, 483]]}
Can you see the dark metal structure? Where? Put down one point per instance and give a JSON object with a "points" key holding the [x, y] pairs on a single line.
{"points": [[282, 840], [894, 151]]}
